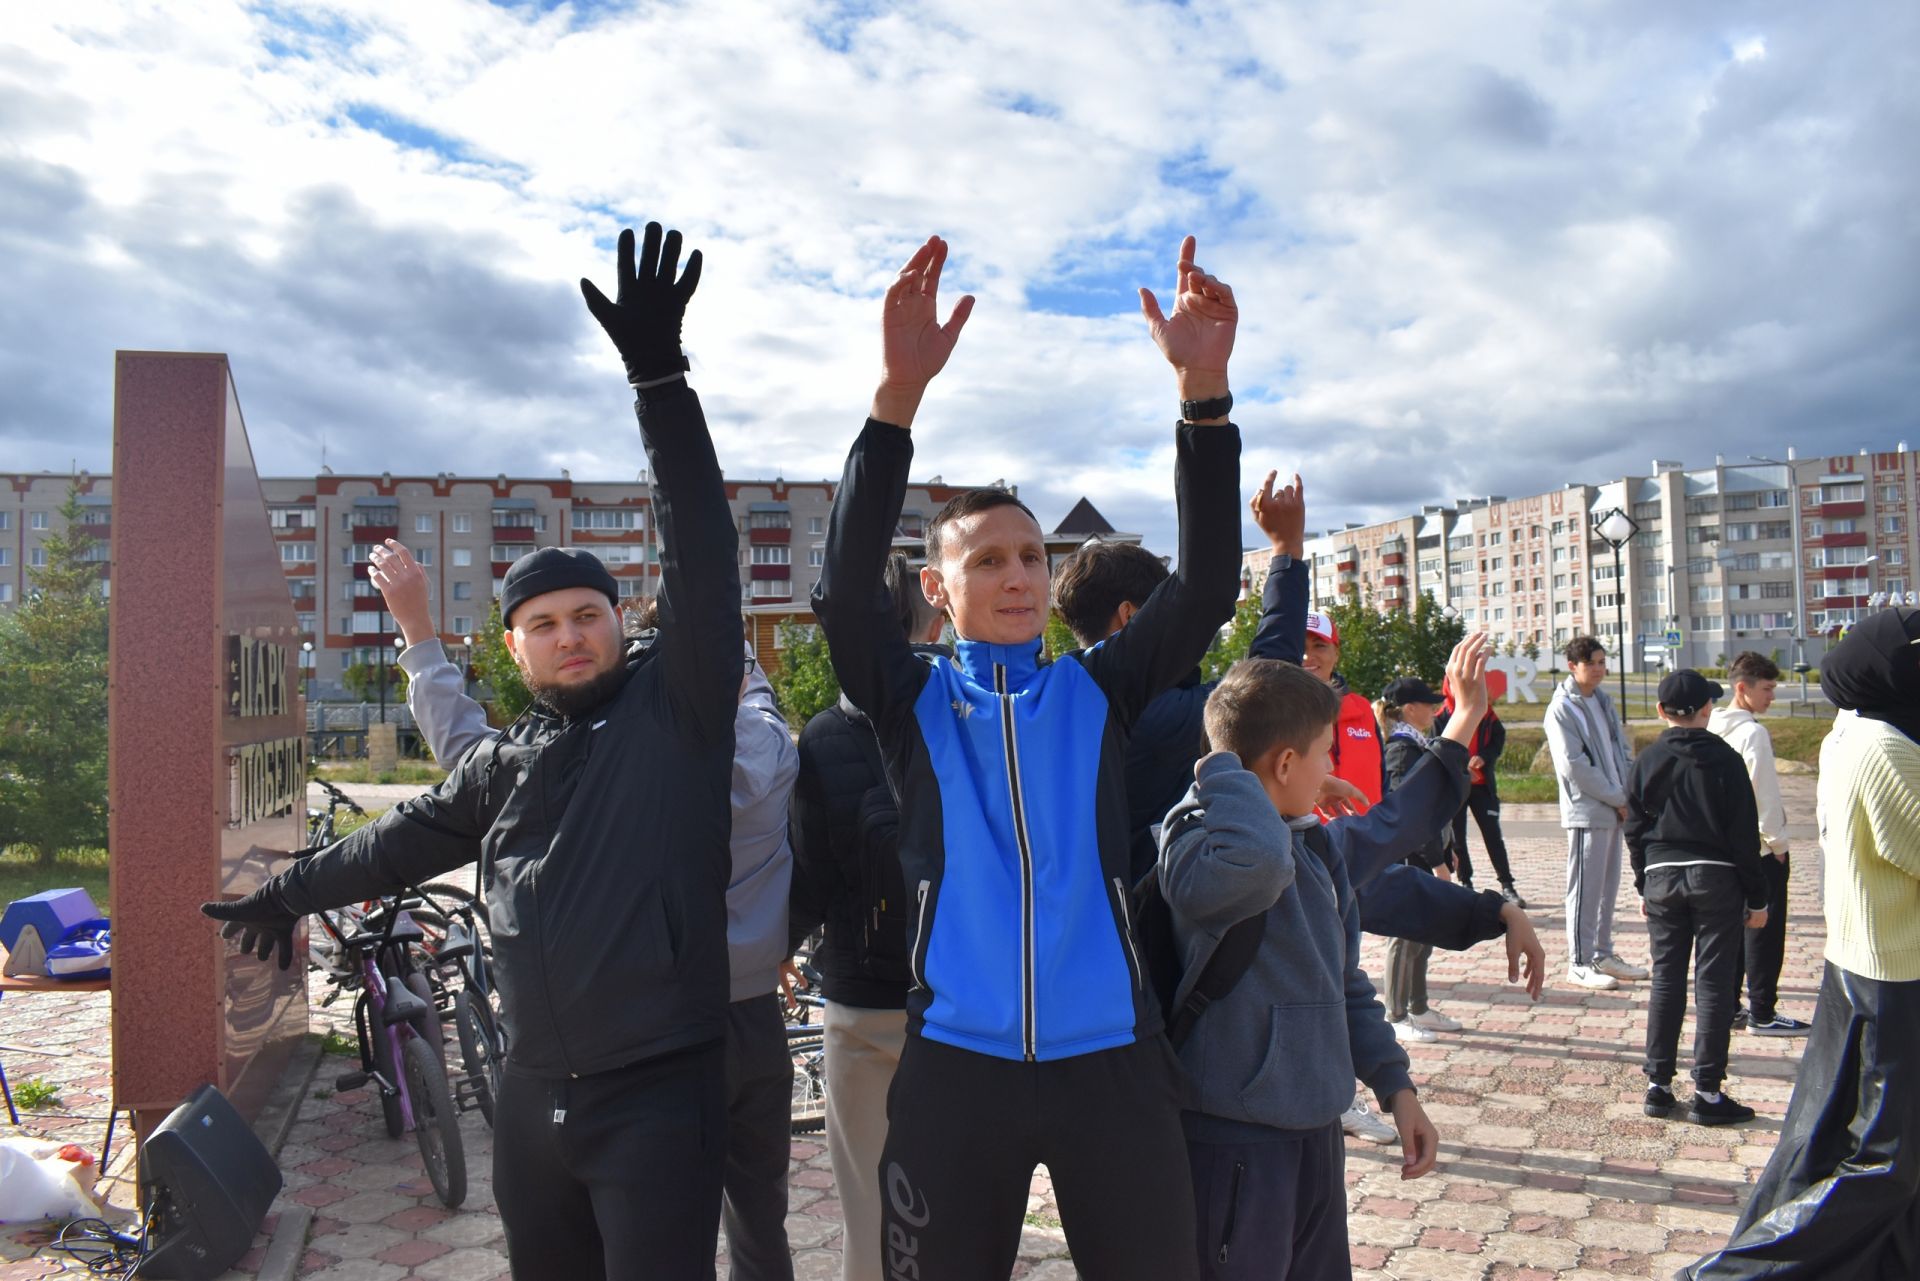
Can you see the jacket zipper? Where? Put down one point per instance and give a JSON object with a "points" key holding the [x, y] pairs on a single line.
{"points": [[1126, 930], [1233, 1210], [917, 958], [1011, 738]]}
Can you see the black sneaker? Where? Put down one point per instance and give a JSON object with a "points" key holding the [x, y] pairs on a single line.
{"points": [[1512, 896], [1725, 1112], [1779, 1025], [1659, 1102], [1739, 1019]]}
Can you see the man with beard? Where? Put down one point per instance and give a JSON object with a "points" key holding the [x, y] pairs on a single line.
{"points": [[600, 819]]}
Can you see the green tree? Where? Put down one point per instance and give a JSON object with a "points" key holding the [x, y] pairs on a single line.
{"points": [[362, 680], [1059, 636], [493, 664], [1369, 656], [1428, 639], [1232, 644], [53, 696], [805, 684]]}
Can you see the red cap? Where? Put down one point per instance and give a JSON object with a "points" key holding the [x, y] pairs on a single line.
{"points": [[1318, 624]]}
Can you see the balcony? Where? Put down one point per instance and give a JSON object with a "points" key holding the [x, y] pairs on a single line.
{"points": [[1856, 539], [1394, 582], [361, 569], [1393, 558], [500, 568], [761, 572], [369, 532], [774, 537], [303, 604], [1347, 565], [1840, 511], [512, 533], [1843, 571]]}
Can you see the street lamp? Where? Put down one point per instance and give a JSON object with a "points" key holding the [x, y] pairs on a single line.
{"points": [[1617, 529], [468, 660], [306, 672]]}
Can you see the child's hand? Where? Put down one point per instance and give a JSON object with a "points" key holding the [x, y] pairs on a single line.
{"points": [[1419, 1141], [1525, 957], [1339, 799]]}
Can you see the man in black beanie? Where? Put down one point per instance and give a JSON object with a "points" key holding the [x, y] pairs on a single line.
{"points": [[601, 819]]}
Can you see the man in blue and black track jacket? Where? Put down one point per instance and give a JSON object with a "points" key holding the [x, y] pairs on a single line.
{"points": [[1033, 1035]]}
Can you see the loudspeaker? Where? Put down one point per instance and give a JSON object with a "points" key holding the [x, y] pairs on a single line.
{"points": [[211, 1181]]}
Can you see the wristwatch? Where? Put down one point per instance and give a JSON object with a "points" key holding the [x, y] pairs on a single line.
{"points": [[1193, 411]]}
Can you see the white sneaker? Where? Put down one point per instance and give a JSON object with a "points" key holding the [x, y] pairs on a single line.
{"points": [[1408, 1030], [1434, 1021], [1589, 976], [1618, 968], [1361, 1123]]}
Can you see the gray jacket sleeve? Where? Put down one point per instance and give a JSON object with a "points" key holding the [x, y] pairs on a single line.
{"points": [[1573, 757], [765, 762], [1236, 861], [450, 721]]}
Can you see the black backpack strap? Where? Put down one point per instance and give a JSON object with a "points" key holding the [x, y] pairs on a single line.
{"points": [[1229, 962]]}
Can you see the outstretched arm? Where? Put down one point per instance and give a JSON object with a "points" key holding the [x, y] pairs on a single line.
{"points": [[1282, 516], [700, 636], [436, 692], [914, 344], [1170, 633]]}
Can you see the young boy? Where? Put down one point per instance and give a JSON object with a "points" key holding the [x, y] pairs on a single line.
{"points": [[1755, 677], [1693, 836], [1272, 1071], [1032, 1035]]}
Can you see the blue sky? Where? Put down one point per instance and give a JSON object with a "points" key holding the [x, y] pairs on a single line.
{"points": [[1488, 247]]}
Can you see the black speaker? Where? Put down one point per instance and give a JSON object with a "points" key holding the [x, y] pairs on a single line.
{"points": [[211, 1181]]}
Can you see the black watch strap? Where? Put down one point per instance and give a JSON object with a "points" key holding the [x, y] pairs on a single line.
{"points": [[1194, 411]]}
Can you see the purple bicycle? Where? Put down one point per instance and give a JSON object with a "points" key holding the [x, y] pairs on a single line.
{"points": [[401, 1040]]}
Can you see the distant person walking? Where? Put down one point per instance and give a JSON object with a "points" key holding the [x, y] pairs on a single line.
{"points": [[1840, 1200], [1483, 801], [1590, 761]]}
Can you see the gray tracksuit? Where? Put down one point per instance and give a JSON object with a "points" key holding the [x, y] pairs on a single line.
{"points": [[1591, 760]]}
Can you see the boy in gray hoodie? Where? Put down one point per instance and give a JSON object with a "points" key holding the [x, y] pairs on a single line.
{"points": [[1272, 1072]]}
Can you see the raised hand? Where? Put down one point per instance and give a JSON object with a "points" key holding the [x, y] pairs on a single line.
{"points": [[1197, 338], [649, 304], [914, 345], [1282, 515], [402, 584], [1467, 675]]}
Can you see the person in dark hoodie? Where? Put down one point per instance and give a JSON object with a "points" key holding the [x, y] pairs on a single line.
{"points": [[1483, 800], [610, 952], [847, 876], [1840, 1198], [1693, 838]]}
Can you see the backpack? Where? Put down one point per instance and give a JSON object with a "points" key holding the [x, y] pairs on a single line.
{"points": [[867, 843], [1223, 969]]}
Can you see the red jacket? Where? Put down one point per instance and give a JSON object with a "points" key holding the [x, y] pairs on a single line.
{"points": [[1357, 756]]}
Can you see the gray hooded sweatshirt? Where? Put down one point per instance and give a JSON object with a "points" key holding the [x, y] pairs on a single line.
{"points": [[1590, 756], [1282, 1048], [765, 764]]}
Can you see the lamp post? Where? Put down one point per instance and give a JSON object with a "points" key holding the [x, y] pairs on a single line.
{"points": [[382, 660], [306, 673], [467, 659], [1617, 529]]}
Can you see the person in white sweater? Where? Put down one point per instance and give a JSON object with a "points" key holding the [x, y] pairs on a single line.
{"points": [[1754, 678]]}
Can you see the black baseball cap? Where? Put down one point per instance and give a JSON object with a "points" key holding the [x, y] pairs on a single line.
{"points": [[1402, 690], [553, 569], [1686, 691]]}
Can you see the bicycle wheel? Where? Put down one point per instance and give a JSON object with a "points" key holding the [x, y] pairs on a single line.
{"points": [[479, 1048], [383, 1063], [809, 1085], [436, 1125]]}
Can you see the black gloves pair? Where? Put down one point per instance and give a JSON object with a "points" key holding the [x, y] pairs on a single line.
{"points": [[644, 318], [261, 920]]}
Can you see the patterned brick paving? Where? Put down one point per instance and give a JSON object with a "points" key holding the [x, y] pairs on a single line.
{"points": [[1548, 1169]]}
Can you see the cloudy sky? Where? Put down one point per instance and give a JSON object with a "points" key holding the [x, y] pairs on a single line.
{"points": [[1479, 247]]}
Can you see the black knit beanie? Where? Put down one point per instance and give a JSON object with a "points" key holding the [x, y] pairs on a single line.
{"points": [[552, 569]]}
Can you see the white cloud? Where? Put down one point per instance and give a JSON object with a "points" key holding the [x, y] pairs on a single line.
{"points": [[1485, 247]]}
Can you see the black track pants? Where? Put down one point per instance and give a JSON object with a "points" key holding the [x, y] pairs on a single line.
{"points": [[965, 1130], [759, 1134], [1484, 803], [614, 1176], [1694, 913], [1274, 1211], [1766, 947]]}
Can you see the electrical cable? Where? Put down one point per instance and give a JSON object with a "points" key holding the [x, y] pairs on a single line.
{"points": [[102, 1250]]}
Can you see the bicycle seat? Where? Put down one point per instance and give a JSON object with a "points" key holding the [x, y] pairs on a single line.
{"points": [[459, 943], [402, 1005], [407, 930]]}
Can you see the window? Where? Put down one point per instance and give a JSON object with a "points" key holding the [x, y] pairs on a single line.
{"points": [[423, 524], [1895, 555], [6, 556], [1707, 592], [1826, 556], [594, 518], [507, 553], [1846, 587], [1741, 502], [626, 588], [306, 623], [6, 520], [1499, 614], [1888, 494], [1891, 524], [772, 555], [816, 558], [499, 585], [358, 589], [1775, 498], [36, 520], [1533, 558], [1499, 563], [1559, 555], [1499, 589], [1647, 511], [284, 518], [1776, 560], [1561, 607], [1835, 491], [1647, 538], [463, 590], [1459, 542], [357, 554], [296, 553], [297, 588], [1703, 506], [37, 557], [424, 555], [6, 593], [462, 557], [779, 520], [367, 620], [462, 524], [1559, 580], [1493, 539], [1707, 623], [615, 553], [1760, 622], [773, 587], [815, 525], [1848, 526], [1896, 586], [1559, 528], [1697, 534]]}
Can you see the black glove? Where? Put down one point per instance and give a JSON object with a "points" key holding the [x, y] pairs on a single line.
{"points": [[645, 321], [260, 920]]}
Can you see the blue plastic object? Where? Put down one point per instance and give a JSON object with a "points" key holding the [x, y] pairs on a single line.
{"points": [[53, 914]]}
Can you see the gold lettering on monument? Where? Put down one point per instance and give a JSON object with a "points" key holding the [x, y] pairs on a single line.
{"points": [[265, 780], [256, 678]]}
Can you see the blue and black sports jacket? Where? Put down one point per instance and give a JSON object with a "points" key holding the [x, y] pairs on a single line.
{"points": [[1011, 770]]}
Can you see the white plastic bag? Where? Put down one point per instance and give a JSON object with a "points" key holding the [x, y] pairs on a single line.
{"points": [[38, 1182]]}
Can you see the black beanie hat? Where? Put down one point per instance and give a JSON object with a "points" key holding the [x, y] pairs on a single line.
{"points": [[552, 569]]}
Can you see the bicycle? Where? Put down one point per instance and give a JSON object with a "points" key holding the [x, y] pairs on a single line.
{"points": [[806, 1044], [463, 957], [400, 1037]]}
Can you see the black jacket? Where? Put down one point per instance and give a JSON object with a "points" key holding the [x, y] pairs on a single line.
{"points": [[604, 835], [1399, 757], [1689, 800], [846, 861]]}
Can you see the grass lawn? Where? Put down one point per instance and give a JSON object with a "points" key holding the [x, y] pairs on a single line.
{"points": [[1528, 789], [21, 874]]}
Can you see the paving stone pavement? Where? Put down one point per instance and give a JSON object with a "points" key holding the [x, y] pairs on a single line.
{"points": [[1548, 1170]]}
